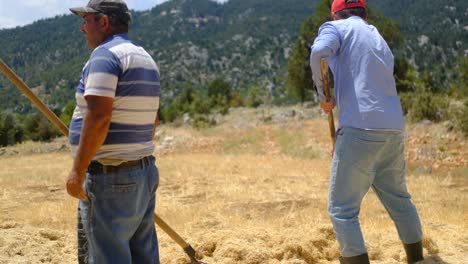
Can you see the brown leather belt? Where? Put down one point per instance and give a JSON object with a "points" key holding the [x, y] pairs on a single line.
{"points": [[96, 167]]}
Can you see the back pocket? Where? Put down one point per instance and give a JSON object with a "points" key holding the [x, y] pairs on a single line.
{"points": [[120, 184], [123, 188]]}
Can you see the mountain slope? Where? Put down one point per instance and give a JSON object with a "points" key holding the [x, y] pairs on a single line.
{"points": [[436, 32], [246, 41]]}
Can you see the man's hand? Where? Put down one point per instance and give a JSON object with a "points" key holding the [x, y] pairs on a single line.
{"points": [[75, 184], [327, 106], [93, 133]]}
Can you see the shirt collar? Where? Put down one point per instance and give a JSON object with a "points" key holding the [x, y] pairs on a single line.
{"points": [[116, 36]]}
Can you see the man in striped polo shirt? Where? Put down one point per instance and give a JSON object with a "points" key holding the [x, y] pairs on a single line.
{"points": [[114, 174]]}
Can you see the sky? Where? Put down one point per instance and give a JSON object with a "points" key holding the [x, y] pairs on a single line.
{"points": [[22, 12]]}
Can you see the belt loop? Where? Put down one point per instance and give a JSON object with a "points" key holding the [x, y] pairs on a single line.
{"points": [[104, 169], [142, 163]]}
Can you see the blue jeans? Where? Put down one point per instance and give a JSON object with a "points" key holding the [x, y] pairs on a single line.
{"points": [[118, 218], [365, 159]]}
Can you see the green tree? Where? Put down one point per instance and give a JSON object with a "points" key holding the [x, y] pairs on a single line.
{"points": [[38, 128], [428, 81], [181, 104], [255, 97], [67, 113], [463, 120], [200, 105], [424, 104], [237, 99], [220, 88], [299, 74], [405, 75], [459, 85], [11, 131], [220, 95]]}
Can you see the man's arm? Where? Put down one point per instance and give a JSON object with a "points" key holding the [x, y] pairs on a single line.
{"points": [[93, 134], [156, 123], [325, 45]]}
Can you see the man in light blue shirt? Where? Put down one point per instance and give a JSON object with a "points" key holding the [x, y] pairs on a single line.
{"points": [[370, 140]]}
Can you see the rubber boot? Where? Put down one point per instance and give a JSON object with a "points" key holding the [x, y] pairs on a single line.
{"points": [[414, 252], [361, 259]]}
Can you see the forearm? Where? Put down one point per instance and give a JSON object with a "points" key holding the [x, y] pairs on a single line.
{"points": [[93, 134], [156, 123], [317, 53], [325, 45]]}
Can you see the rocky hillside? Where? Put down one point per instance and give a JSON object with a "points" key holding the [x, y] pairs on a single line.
{"points": [[247, 42]]}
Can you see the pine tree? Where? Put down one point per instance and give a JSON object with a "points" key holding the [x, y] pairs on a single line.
{"points": [[459, 85], [299, 74], [300, 82]]}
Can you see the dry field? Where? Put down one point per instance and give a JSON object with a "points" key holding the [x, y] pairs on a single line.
{"points": [[253, 193]]}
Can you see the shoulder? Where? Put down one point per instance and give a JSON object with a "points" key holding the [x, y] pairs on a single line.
{"points": [[107, 51], [329, 25], [342, 26], [329, 29], [102, 52], [103, 60], [113, 46], [103, 56], [121, 46], [104, 49]]}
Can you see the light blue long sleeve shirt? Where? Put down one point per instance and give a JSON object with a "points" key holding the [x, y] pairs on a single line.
{"points": [[362, 65]]}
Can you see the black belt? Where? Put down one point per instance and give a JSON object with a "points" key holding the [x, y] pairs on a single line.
{"points": [[96, 167]]}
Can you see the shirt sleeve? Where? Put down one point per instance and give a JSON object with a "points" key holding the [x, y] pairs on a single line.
{"points": [[103, 70], [325, 45]]}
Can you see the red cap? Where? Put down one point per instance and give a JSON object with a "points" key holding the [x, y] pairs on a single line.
{"points": [[339, 5]]}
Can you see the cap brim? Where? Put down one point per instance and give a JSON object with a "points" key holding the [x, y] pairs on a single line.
{"points": [[81, 11]]}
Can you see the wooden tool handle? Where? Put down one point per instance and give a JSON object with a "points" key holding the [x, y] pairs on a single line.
{"points": [[326, 91], [33, 98], [326, 88]]}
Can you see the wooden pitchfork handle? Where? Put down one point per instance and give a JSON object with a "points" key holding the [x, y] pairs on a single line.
{"points": [[64, 129], [326, 91]]}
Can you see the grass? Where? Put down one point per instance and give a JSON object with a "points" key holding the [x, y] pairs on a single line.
{"points": [[249, 141], [246, 195], [295, 143]]}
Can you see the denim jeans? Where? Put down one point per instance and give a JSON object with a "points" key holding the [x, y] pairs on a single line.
{"points": [[364, 159], [118, 218]]}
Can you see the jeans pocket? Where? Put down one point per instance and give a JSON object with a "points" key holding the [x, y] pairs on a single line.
{"points": [[120, 184], [122, 188], [369, 140]]}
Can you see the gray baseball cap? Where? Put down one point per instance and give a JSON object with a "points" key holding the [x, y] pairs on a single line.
{"points": [[106, 7]]}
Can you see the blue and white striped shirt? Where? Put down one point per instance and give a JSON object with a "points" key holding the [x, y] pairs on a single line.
{"points": [[362, 65], [120, 69]]}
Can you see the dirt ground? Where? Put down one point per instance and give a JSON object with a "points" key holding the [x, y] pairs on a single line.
{"points": [[252, 192]]}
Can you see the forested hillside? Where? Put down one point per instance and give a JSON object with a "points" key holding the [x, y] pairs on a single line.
{"points": [[247, 42], [193, 41], [436, 34]]}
